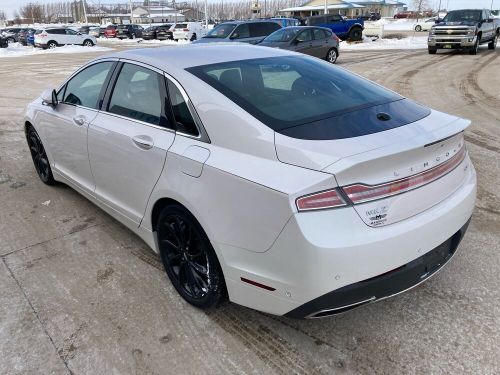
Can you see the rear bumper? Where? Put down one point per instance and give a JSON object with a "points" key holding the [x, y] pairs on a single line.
{"points": [[323, 256], [383, 286]]}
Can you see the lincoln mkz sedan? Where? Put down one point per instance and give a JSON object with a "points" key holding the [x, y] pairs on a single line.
{"points": [[271, 178]]}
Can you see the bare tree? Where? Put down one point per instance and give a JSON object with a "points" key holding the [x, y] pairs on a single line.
{"points": [[420, 5], [33, 12]]}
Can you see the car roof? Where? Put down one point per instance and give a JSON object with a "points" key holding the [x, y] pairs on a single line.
{"points": [[238, 22], [172, 59]]}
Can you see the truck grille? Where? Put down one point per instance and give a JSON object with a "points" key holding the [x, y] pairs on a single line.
{"points": [[453, 32]]}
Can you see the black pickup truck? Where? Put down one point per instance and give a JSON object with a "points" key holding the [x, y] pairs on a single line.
{"points": [[464, 29]]}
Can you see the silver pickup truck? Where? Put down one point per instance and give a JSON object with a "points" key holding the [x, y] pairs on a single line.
{"points": [[464, 29]]}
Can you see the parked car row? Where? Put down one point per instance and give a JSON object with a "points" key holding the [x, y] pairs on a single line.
{"points": [[47, 37]]}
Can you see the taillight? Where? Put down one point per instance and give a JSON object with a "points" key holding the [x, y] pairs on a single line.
{"points": [[334, 36], [360, 193], [185, 30], [43, 35], [320, 201]]}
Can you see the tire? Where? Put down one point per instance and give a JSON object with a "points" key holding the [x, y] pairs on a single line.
{"points": [[193, 37], [432, 51], [195, 274], [332, 55], [474, 49], [39, 157], [10, 40], [355, 33], [52, 44], [418, 28], [493, 43], [88, 43]]}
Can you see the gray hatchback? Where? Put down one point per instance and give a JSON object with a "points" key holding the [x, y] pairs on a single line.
{"points": [[315, 41]]}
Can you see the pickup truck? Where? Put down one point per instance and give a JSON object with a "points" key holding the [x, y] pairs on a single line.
{"points": [[345, 29], [464, 29]]}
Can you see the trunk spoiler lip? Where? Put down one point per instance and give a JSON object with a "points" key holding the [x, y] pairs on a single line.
{"points": [[459, 124]]}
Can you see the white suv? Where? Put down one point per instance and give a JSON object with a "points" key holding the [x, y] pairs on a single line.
{"points": [[59, 36], [189, 31]]}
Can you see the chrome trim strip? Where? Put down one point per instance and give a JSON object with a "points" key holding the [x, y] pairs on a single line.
{"points": [[391, 295]]}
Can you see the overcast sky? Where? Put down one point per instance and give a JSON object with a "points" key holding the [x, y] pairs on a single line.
{"points": [[8, 6]]}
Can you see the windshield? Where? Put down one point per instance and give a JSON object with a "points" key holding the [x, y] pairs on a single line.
{"points": [[463, 16], [122, 27], [111, 27], [221, 31], [282, 35], [284, 92]]}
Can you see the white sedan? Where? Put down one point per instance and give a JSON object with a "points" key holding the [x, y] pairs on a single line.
{"points": [[257, 181], [424, 25]]}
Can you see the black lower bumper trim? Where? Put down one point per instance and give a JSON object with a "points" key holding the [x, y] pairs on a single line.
{"points": [[381, 286]]}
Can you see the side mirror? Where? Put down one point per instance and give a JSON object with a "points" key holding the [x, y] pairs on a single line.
{"points": [[49, 97]]}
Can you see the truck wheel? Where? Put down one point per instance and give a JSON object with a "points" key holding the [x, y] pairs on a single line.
{"points": [[356, 33], [493, 43], [474, 49], [432, 51]]}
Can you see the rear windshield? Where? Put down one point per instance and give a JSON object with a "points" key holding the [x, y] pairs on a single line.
{"points": [[284, 92], [111, 27], [181, 26]]}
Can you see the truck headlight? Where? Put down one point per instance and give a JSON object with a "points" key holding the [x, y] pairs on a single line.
{"points": [[472, 31], [432, 31]]}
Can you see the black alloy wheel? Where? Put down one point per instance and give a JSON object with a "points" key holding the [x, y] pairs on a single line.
{"points": [[39, 156], [188, 257]]}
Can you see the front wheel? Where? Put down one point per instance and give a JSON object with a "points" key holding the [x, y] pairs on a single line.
{"points": [[189, 258], [332, 56], [51, 45], [39, 156], [493, 43], [474, 49]]}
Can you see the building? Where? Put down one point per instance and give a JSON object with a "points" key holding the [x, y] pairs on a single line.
{"points": [[386, 8], [156, 14], [192, 14]]}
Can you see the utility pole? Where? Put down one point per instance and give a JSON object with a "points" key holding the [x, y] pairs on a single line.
{"points": [[206, 15], [439, 7], [326, 6], [85, 12]]}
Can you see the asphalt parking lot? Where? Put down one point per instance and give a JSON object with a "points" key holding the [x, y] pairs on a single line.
{"points": [[81, 294]]}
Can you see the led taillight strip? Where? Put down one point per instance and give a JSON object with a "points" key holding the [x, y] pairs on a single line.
{"points": [[360, 193]]}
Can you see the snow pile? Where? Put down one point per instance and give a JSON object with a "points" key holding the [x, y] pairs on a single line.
{"points": [[395, 24], [419, 42], [17, 49], [142, 41]]}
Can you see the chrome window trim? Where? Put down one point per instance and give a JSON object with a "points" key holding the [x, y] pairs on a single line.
{"points": [[88, 65], [203, 135], [138, 121]]}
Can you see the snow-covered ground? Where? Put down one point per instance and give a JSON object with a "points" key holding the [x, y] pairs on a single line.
{"points": [[419, 42], [17, 49]]}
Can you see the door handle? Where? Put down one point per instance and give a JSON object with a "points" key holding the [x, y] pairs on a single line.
{"points": [[143, 141], [79, 120]]}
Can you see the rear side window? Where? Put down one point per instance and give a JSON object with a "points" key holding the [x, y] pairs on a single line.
{"points": [[137, 95], [183, 119], [261, 29], [305, 36], [85, 88], [319, 34], [285, 92], [56, 31], [70, 32], [272, 27]]}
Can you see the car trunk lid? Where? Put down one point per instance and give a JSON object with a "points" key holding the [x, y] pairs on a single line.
{"points": [[417, 149]]}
